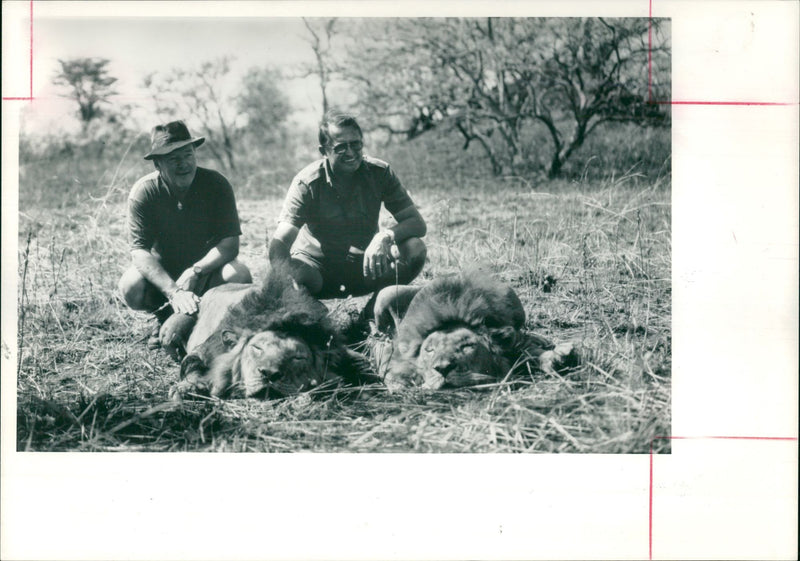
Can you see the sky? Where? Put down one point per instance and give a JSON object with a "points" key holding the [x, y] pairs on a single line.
{"points": [[138, 46], [144, 37]]}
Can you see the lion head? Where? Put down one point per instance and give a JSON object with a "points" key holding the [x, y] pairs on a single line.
{"points": [[459, 356], [274, 364], [457, 331], [264, 341]]}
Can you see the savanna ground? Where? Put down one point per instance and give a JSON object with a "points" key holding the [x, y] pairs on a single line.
{"points": [[589, 256]]}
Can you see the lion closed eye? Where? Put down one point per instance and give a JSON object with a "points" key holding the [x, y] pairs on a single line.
{"points": [[458, 357], [261, 365], [274, 364]]}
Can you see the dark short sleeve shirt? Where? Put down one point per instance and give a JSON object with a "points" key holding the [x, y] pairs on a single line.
{"points": [[181, 235], [334, 216]]}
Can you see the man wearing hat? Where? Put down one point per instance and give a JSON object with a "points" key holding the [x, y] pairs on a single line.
{"points": [[184, 234]]}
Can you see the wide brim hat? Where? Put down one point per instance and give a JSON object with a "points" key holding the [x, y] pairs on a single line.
{"points": [[169, 137]]}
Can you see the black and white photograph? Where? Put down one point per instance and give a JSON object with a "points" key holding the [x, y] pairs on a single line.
{"points": [[436, 240], [347, 235]]}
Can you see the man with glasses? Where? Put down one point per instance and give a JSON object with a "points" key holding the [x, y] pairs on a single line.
{"points": [[184, 235], [328, 227]]}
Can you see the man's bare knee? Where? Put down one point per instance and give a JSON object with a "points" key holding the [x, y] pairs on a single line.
{"points": [[236, 272], [306, 275], [133, 289], [391, 304], [412, 258]]}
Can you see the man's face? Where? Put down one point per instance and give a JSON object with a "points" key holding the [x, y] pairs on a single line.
{"points": [[178, 167], [344, 150]]}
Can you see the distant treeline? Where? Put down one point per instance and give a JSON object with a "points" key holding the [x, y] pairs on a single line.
{"points": [[523, 97], [60, 172]]}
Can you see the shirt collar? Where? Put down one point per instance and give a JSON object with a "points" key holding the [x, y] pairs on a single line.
{"points": [[329, 173]]}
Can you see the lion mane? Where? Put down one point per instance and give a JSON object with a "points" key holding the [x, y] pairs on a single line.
{"points": [[470, 325], [464, 299], [274, 336]]}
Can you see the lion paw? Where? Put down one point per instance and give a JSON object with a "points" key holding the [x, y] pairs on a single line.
{"points": [[175, 333], [187, 388], [561, 358]]}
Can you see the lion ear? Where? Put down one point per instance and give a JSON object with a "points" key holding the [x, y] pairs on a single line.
{"points": [[229, 338], [505, 337]]}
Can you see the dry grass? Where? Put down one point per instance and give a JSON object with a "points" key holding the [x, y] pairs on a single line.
{"points": [[590, 260]]}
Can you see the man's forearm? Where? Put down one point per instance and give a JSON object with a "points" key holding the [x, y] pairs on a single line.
{"points": [[224, 252], [409, 228], [150, 268]]}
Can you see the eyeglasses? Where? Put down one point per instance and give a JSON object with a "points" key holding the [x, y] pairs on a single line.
{"points": [[341, 148]]}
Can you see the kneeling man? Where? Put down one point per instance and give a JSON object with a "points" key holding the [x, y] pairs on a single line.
{"points": [[328, 227], [184, 231]]}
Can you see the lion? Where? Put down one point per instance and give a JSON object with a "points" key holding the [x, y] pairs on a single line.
{"points": [[457, 331], [273, 340]]}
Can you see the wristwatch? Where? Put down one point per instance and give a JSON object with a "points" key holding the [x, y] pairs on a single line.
{"points": [[197, 270]]}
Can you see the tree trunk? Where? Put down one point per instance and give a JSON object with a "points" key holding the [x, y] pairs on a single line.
{"points": [[227, 144], [470, 135], [510, 136], [556, 164], [211, 146], [497, 166], [562, 154], [229, 154]]}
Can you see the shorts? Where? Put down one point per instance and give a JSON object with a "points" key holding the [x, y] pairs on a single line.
{"points": [[342, 276]]}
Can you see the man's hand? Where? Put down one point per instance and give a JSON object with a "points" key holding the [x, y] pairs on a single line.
{"points": [[379, 255], [184, 301], [188, 280]]}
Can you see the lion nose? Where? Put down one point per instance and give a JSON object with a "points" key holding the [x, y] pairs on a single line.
{"points": [[269, 375], [444, 367]]}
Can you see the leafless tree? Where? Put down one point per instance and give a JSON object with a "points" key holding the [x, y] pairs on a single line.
{"points": [[321, 32], [492, 79], [197, 95], [222, 108]]}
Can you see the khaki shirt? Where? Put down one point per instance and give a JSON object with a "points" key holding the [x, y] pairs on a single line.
{"points": [[334, 216]]}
